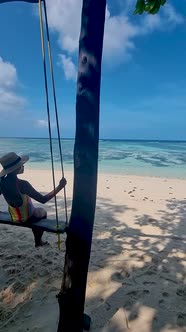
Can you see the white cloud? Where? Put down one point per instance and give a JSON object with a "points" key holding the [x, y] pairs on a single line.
{"points": [[126, 6], [120, 30], [69, 67], [150, 23], [9, 100], [8, 75], [42, 123], [118, 37], [171, 14], [64, 17], [166, 19]]}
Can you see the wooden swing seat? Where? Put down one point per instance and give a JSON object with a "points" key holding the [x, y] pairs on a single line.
{"points": [[47, 225]]}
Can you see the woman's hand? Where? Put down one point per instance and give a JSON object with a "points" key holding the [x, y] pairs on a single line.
{"points": [[62, 183]]}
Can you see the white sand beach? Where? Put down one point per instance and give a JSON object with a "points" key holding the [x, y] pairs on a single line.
{"points": [[137, 271]]}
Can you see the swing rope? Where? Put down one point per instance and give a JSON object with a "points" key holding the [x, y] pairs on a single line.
{"points": [[55, 104], [48, 111]]}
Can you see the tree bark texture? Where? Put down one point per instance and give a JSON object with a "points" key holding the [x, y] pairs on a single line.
{"points": [[79, 236]]}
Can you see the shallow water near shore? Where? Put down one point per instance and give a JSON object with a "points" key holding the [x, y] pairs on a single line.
{"points": [[135, 157]]}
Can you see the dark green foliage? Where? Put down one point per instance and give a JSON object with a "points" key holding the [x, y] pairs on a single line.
{"points": [[149, 6]]}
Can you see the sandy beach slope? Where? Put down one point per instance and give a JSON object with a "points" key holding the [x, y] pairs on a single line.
{"points": [[137, 271]]}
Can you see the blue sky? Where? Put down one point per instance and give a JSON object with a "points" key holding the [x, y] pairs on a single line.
{"points": [[143, 93]]}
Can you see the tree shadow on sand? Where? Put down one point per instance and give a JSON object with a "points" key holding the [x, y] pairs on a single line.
{"points": [[150, 273], [147, 273], [28, 276]]}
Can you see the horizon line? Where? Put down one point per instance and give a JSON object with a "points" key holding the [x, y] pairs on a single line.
{"points": [[103, 139]]}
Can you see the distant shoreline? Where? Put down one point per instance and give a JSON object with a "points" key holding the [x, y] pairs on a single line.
{"points": [[104, 139]]}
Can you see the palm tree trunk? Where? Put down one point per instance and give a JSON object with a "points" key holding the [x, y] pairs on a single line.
{"points": [[79, 237]]}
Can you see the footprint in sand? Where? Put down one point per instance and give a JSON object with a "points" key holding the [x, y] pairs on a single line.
{"points": [[162, 303], [4, 314], [181, 319], [28, 314], [108, 306], [165, 294], [151, 272], [181, 291], [18, 287], [117, 276], [146, 291], [121, 277], [134, 314], [38, 256], [138, 293], [13, 270], [149, 283]]}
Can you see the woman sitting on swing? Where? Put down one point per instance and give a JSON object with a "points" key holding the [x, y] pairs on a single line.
{"points": [[18, 193]]}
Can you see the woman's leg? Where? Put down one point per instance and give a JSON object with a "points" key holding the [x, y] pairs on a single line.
{"points": [[38, 237], [39, 213]]}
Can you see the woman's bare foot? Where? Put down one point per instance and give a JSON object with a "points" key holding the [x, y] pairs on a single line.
{"points": [[42, 243]]}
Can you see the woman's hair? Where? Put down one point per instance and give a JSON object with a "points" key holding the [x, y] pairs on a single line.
{"points": [[9, 189]]}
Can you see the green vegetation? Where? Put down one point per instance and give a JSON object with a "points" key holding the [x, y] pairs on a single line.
{"points": [[149, 6]]}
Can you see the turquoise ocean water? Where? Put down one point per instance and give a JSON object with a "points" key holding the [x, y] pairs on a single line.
{"points": [[149, 158]]}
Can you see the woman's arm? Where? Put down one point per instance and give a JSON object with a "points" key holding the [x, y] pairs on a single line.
{"points": [[26, 188]]}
